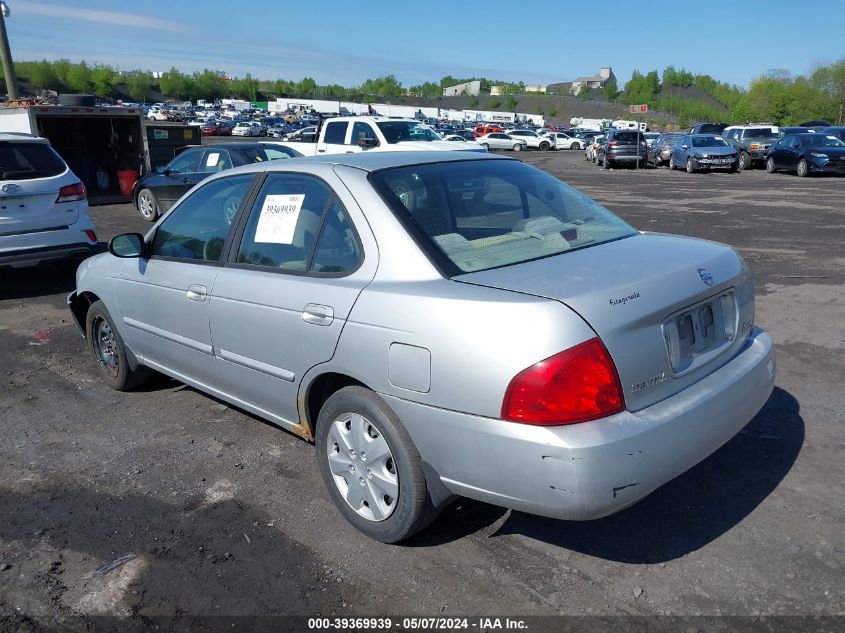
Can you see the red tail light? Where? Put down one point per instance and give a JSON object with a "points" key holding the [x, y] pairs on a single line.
{"points": [[71, 193], [611, 144], [577, 385], [92, 237]]}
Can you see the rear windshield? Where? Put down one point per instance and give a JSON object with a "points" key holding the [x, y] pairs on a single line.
{"points": [[627, 137], [25, 161], [476, 215]]}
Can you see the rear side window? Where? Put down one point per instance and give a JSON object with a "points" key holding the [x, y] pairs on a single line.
{"points": [[25, 161], [336, 133], [298, 226]]}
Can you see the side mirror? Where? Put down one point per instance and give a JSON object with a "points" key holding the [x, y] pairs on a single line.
{"points": [[367, 142], [161, 169], [684, 146], [127, 245]]}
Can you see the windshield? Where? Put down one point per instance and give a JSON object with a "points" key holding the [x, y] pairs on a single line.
{"points": [[821, 140], [711, 128], [476, 215], [708, 141], [763, 132], [396, 131], [25, 161]]}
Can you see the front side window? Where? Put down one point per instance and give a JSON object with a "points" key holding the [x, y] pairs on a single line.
{"points": [[196, 230], [397, 131], [361, 131], [185, 163], [297, 225], [476, 215]]}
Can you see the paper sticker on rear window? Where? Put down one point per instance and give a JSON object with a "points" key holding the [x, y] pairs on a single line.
{"points": [[211, 161], [277, 221]]}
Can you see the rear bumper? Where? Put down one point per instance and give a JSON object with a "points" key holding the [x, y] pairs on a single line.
{"points": [[589, 470], [30, 249]]}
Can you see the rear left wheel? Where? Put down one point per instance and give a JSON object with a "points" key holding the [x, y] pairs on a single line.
{"points": [[107, 346], [370, 466]]}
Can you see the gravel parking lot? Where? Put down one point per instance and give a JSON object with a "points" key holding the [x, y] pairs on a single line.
{"points": [[202, 509]]}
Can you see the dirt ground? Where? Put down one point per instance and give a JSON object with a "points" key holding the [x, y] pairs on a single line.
{"points": [[166, 502]]}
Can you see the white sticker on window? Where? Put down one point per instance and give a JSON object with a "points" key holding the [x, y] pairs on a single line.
{"points": [[278, 218], [211, 161]]}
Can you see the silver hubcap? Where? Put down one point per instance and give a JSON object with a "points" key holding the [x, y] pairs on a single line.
{"points": [[362, 466], [802, 168], [105, 346], [145, 205]]}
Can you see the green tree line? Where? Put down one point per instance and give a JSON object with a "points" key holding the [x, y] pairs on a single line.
{"points": [[776, 97]]}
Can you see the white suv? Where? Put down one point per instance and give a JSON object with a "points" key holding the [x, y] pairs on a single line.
{"points": [[43, 205], [533, 140]]}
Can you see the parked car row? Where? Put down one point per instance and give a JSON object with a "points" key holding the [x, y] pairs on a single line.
{"points": [[803, 150]]}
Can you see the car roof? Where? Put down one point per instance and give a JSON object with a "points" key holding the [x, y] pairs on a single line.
{"points": [[369, 161], [22, 136]]}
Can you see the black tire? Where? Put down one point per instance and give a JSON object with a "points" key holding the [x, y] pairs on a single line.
{"points": [[690, 166], [575, 146], [803, 168], [605, 163], [485, 146], [735, 167], [149, 213], [517, 147], [770, 165], [744, 161], [85, 101], [413, 509], [544, 146], [119, 376]]}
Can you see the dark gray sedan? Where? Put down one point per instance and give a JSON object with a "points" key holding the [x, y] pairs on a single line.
{"points": [[703, 152]]}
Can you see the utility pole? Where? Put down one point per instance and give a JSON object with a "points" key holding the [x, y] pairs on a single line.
{"points": [[6, 54]]}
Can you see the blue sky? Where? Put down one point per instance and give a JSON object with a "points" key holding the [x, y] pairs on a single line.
{"points": [[350, 41]]}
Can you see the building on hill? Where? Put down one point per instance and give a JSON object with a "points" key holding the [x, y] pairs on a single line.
{"points": [[593, 81], [469, 89]]}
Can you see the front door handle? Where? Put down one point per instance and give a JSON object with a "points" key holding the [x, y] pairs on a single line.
{"points": [[317, 314], [197, 292]]}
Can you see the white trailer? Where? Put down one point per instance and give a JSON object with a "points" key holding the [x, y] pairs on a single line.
{"points": [[103, 145]]}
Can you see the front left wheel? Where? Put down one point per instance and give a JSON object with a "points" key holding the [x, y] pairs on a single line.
{"points": [[803, 168], [370, 466]]}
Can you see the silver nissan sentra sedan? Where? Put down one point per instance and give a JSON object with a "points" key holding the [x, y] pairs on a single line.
{"points": [[439, 326]]}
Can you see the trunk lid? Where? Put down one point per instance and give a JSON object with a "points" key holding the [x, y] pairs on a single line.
{"points": [[30, 205], [670, 310]]}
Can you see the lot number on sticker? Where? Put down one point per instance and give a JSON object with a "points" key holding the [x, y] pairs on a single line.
{"points": [[278, 219]]}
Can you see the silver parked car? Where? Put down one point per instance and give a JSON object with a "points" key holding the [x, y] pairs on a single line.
{"points": [[439, 326], [500, 140]]}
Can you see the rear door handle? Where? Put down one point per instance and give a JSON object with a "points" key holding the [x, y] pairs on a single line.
{"points": [[197, 292], [317, 314]]}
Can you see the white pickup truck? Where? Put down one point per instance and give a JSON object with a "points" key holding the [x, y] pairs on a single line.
{"points": [[348, 135]]}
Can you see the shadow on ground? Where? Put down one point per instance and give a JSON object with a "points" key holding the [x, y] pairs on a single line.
{"points": [[216, 559], [681, 517]]}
